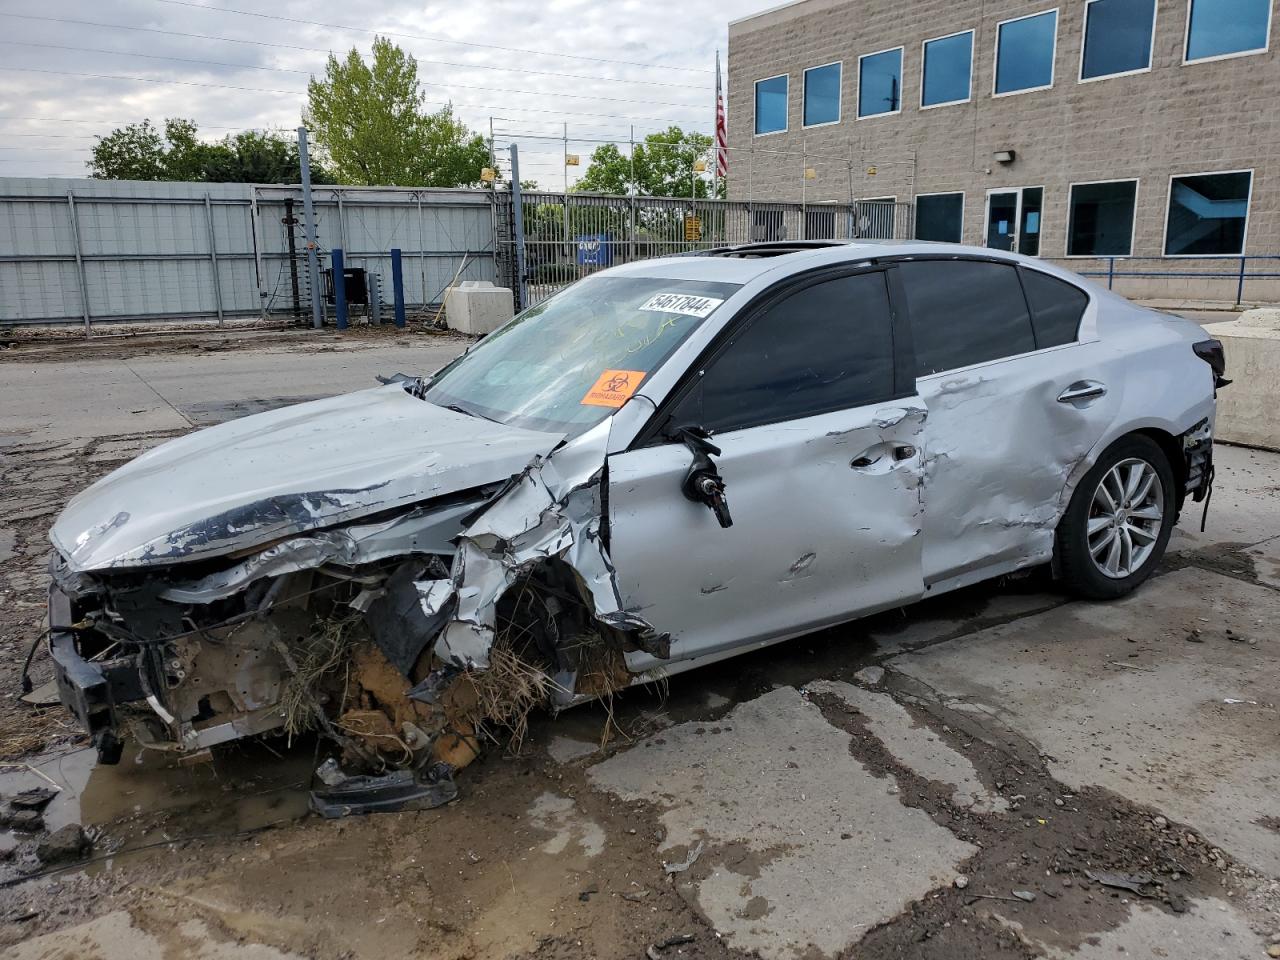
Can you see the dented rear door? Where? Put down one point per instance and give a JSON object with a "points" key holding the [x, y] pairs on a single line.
{"points": [[1017, 400], [817, 447]]}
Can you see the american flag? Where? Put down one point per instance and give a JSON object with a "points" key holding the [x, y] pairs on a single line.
{"points": [[722, 130]]}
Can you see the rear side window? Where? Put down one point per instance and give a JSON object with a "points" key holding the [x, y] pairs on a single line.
{"points": [[965, 312], [1056, 308], [826, 347]]}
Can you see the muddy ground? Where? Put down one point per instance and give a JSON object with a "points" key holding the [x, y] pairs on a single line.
{"points": [[968, 778]]}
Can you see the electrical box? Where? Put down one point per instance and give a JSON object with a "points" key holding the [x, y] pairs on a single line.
{"points": [[354, 283]]}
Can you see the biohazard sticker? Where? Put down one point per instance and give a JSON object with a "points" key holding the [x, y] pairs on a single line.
{"points": [[683, 303], [614, 388]]}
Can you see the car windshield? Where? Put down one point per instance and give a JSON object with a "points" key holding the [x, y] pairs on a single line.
{"points": [[567, 363]]}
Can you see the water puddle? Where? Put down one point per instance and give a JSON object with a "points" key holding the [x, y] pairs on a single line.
{"points": [[148, 797]]}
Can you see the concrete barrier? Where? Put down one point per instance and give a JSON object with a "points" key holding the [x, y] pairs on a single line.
{"points": [[477, 307], [1249, 409]]}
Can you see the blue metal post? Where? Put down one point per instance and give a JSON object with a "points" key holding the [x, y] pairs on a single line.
{"points": [[1111, 273], [1240, 284], [339, 287], [397, 285]]}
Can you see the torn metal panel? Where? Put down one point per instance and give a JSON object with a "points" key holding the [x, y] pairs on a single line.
{"points": [[999, 451], [426, 530], [551, 511], [245, 483]]}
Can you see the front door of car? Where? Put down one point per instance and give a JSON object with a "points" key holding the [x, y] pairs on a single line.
{"points": [[817, 428]]}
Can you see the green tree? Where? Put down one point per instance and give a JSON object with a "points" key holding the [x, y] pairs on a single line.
{"points": [[663, 167], [253, 156], [135, 152], [371, 123], [140, 152]]}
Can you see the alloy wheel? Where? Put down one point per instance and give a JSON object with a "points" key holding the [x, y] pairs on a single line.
{"points": [[1125, 518]]}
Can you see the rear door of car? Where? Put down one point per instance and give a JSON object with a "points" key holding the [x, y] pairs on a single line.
{"points": [[1017, 400], [810, 400]]}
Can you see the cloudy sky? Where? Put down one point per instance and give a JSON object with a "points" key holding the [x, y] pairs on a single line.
{"points": [[70, 69]]}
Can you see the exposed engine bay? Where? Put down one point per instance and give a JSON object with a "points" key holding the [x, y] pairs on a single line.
{"points": [[407, 638]]}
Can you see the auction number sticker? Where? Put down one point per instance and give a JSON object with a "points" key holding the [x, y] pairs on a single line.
{"points": [[683, 303], [614, 388]]}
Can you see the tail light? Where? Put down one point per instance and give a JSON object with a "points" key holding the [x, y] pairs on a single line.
{"points": [[1211, 352]]}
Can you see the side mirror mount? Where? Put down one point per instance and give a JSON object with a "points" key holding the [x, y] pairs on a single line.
{"points": [[702, 481]]}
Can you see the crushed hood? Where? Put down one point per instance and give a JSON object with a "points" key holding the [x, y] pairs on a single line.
{"points": [[251, 481]]}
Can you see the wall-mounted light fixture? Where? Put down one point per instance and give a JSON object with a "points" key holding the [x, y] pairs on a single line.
{"points": [[1005, 156]]}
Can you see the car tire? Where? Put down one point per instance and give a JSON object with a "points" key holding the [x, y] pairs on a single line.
{"points": [[1119, 521]]}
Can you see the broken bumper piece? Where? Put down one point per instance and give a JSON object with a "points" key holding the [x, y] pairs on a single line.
{"points": [[394, 792]]}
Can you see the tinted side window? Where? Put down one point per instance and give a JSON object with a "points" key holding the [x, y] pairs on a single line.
{"points": [[965, 311], [1056, 308], [826, 347]]}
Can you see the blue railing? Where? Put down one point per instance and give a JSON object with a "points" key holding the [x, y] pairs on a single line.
{"points": [[1118, 268]]}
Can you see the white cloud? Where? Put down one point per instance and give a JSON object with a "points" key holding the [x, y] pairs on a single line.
{"points": [[587, 39]]}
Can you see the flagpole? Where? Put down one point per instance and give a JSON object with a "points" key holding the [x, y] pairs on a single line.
{"points": [[715, 132]]}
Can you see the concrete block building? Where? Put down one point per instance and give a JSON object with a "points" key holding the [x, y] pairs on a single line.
{"points": [[1082, 129]]}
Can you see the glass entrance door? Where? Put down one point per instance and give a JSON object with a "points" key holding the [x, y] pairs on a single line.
{"points": [[1002, 220], [1013, 220]]}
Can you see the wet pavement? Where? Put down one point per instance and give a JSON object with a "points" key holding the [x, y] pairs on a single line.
{"points": [[964, 779]]}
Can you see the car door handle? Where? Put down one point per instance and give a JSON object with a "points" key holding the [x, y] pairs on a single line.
{"points": [[869, 458], [1083, 390]]}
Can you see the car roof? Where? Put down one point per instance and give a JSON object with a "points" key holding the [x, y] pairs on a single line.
{"points": [[742, 263], [746, 262]]}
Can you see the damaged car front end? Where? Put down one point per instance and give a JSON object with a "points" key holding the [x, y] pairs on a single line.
{"points": [[403, 570]]}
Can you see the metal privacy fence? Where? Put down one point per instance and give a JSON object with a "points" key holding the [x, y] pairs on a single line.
{"points": [[567, 237], [94, 252], [97, 251]]}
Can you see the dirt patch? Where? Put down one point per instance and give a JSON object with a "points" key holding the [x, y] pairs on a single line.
{"points": [[1228, 559], [1047, 846], [124, 341]]}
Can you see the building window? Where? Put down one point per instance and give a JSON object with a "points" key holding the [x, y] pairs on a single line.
{"points": [[1227, 28], [1024, 53], [1208, 214], [822, 95], [940, 216], [880, 83], [1118, 37], [947, 70], [771, 105], [1100, 223]]}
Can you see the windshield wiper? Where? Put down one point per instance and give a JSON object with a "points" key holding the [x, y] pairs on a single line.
{"points": [[470, 413]]}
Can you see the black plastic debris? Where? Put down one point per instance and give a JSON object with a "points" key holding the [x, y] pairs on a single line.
{"points": [[1133, 882], [37, 798], [654, 951], [394, 792]]}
